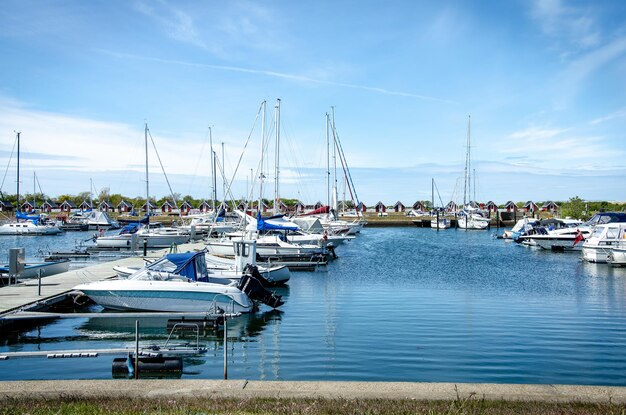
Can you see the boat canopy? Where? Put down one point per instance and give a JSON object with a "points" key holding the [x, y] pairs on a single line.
{"points": [[185, 263], [23, 216], [277, 222]]}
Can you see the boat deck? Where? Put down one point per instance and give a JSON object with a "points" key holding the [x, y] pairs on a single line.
{"points": [[26, 294]]}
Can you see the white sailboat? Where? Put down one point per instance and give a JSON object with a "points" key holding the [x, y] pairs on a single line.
{"points": [[153, 237], [470, 216], [25, 225]]}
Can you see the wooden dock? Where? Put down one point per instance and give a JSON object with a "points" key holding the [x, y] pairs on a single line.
{"points": [[26, 294]]}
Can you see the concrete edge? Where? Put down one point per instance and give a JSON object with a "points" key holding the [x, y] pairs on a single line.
{"points": [[242, 389]]}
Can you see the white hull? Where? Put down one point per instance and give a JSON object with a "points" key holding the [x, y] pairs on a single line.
{"points": [[167, 296], [561, 243], [598, 254], [472, 223], [442, 223], [46, 269], [152, 240], [617, 256], [226, 248], [28, 229]]}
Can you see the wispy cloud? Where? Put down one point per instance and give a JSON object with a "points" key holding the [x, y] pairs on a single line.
{"points": [[612, 116], [281, 75], [571, 28]]}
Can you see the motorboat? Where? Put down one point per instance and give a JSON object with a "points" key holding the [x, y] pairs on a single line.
{"points": [[179, 283], [617, 255], [98, 220], [570, 237], [234, 269], [266, 246], [521, 226], [37, 269], [598, 247]]}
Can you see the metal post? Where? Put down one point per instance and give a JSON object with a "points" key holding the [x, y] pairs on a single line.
{"points": [[145, 247], [39, 283], [225, 347], [437, 219], [136, 349]]}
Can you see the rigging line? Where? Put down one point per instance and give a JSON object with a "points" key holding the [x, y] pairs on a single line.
{"points": [[342, 157], [164, 174], [7, 169], [242, 153]]}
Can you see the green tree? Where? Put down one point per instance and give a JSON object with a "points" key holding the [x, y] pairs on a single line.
{"points": [[575, 208]]}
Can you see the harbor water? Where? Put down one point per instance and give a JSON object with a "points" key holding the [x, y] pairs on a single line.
{"points": [[399, 304]]}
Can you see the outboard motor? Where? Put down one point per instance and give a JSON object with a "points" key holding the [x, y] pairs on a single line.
{"points": [[255, 290], [254, 271]]}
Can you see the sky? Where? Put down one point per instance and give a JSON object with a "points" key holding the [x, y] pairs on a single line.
{"points": [[544, 83]]}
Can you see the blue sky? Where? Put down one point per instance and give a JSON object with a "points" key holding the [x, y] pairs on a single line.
{"points": [[543, 81]]}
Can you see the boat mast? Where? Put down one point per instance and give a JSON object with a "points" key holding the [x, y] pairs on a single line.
{"points": [[432, 192], [467, 164], [327, 161], [34, 191], [261, 175], [147, 182], [335, 195], [213, 189], [276, 190], [18, 171]]}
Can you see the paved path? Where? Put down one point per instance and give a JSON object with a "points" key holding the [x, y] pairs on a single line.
{"points": [[241, 389]]}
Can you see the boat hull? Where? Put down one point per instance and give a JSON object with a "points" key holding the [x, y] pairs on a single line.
{"points": [[167, 296]]}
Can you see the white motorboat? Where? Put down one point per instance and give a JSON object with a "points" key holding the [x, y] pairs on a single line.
{"points": [[35, 269], [266, 246], [617, 256], [440, 222], [179, 283], [521, 226], [598, 247], [98, 220], [570, 238]]}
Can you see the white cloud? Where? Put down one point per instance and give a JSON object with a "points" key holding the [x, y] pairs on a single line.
{"points": [[621, 113]]}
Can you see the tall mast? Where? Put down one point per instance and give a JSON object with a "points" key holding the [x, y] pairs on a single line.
{"points": [[213, 189], [432, 192], [277, 172], [147, 182], [467, 164], [222, 203], [18, 170], [261, 175], [335, 196], [327, 161]]}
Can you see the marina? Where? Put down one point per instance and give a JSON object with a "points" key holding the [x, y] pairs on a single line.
{"points": [[398, 304]]}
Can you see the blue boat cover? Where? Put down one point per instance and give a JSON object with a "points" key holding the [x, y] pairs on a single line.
{"points": [[23, 216], [185, 263], [263, 225], [130, 229]]}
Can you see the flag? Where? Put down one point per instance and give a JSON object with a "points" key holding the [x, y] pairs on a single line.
{"points": [[579, 237]]}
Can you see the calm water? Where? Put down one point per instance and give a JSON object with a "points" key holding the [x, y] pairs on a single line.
{"points": [[400, 304]]}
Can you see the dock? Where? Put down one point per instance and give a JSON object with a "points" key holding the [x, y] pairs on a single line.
{"points": [[28, 295]]}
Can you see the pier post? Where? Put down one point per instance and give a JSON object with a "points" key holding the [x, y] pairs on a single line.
{"points": [[39, 283], [136, 349], [145, 247], [225, 347]]}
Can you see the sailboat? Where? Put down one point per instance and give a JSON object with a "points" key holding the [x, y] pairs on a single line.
{"points": [[438, 219], [25, 224], [152, 237], [470, 217]]}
